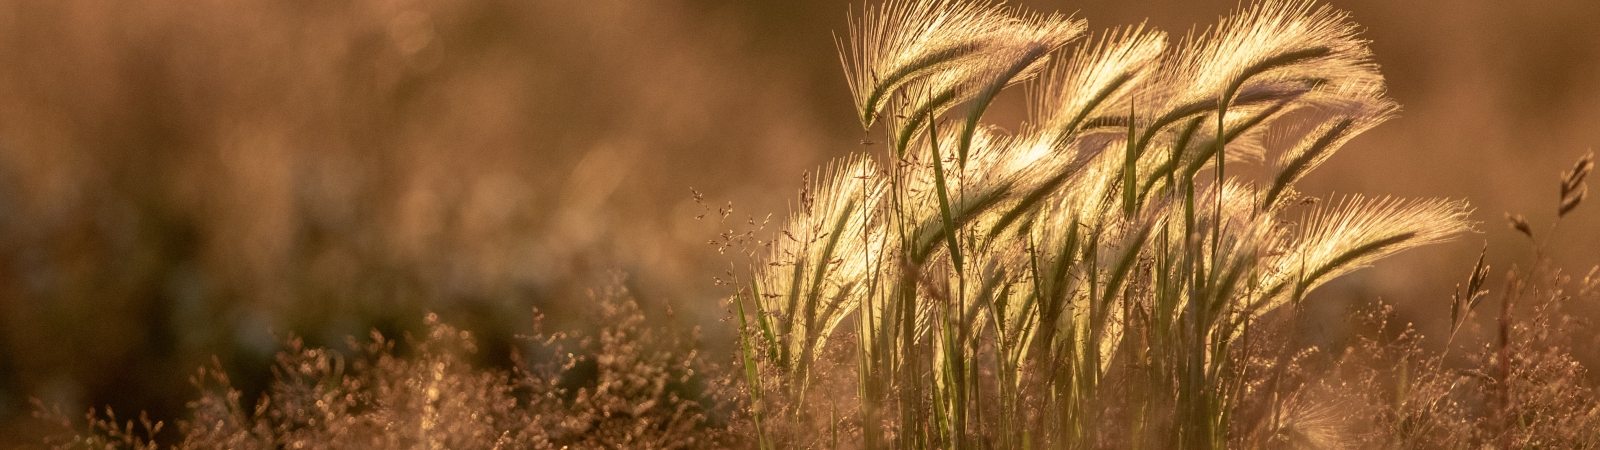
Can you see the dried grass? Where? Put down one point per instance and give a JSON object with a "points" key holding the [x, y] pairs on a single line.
{"points": [[623, 388]]}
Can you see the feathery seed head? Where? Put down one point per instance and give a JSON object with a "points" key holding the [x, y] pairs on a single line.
{"points": [[903, 41], [1277, 40], [1104, 76], [1321, 141], [1342, 236], [819, 261]]}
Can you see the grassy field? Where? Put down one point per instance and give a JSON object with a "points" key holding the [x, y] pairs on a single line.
{"points": [[1129, 267]]}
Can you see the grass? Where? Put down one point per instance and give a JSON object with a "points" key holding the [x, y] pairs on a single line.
{"points": [[1124, 271], [1097, 278], [627, 387]]}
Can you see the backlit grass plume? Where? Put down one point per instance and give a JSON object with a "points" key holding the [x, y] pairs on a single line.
{"points": [[999, 289]]}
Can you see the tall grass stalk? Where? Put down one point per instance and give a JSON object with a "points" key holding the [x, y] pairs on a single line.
{"points": [[1024, 290]]}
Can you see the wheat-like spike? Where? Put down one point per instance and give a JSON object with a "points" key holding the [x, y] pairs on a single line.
{"points": [[904, 40], [819, 264], [1321, 142], [1017, 53], [1036, 37], [1097, 77], [1280, 50], [1276, 41], [1342, 236], [1012, 60]]}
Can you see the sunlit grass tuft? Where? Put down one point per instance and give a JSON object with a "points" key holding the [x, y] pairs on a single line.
{"points": [[999, 288]]}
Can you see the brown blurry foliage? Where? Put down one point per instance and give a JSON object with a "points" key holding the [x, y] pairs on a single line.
{"points": [[620, 389], [182, 179]]}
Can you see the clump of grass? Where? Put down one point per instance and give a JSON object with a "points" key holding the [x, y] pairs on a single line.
{"points": [[1097, 270], [622, 388], [1397, 395]]}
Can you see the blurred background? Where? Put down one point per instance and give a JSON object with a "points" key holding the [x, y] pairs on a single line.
{"points": [[183, 179]]}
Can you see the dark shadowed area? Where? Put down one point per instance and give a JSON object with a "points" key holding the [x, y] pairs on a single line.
{"points": [[186, 179]]}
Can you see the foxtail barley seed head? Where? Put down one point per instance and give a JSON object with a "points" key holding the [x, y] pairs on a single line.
{"points": [[943, 46]]}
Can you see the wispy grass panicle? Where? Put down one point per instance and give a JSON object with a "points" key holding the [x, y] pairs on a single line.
{"points": [[1274, 41], [1342, 236], [1319, 142], [971, 44], [1100, 78], [898, 42]]}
